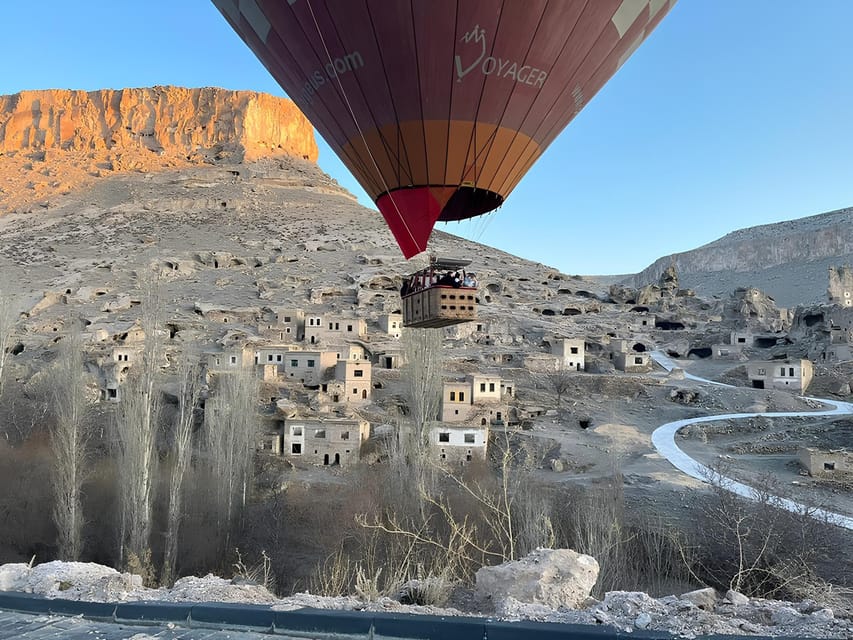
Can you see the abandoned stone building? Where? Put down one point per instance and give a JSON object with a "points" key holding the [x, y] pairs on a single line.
{"points": [[391, 323], [352, 383], [840, 289], [476, 399], [324, 441], [821, 463], [570, 352], [329, 329], [629, 356], [458, 445], [228, 315], [283, 325], [389, 358], [789, 375], [632, 361], [309, 367]]}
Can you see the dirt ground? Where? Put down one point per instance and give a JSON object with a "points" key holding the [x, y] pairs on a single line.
{"points": [[619, 438]]}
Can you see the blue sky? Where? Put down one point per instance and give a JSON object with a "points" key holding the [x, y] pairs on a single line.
{"points": [[733, 113]]}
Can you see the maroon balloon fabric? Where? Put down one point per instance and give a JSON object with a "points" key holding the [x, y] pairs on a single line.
{"points": [[439, 107]]}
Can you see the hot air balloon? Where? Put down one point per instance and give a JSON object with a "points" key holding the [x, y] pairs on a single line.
{"points": [[439, 107]]}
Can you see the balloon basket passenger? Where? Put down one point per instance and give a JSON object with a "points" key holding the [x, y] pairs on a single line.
{"points": [[440, 295]]}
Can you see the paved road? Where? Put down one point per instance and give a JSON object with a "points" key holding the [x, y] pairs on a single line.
{"points": [[663, 439]]}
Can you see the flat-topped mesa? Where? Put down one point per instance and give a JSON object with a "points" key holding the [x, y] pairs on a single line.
{"points": [[197, 124]]}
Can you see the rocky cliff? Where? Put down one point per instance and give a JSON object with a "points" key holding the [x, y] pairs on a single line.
{"points": [[55, 140], [789, 260]]}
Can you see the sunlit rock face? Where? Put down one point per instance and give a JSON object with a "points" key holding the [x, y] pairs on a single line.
{"points": [[162, 119], [55, 140]]}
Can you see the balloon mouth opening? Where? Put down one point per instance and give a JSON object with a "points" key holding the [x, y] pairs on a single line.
{"points": [[468, 202]]}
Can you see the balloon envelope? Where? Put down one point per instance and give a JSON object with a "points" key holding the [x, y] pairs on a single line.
{"points": [[439, 107]]}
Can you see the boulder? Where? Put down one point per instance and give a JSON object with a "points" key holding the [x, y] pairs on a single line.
{"points": [[551, 577], [736, 598], [703, 598]]}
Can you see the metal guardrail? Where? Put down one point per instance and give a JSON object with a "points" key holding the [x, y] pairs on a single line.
{"points": [[322, 623]]}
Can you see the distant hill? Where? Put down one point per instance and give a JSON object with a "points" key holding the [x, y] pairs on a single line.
{"points": [[787, 260]]}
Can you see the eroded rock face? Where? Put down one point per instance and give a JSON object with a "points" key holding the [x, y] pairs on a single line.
{"points": [[550, 577], [155, 118], [55, 141]]}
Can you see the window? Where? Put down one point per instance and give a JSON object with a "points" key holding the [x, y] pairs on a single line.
{"points": [[573, 349], [345, 435], [782, 371], [491, 387], [330, 326], [233, 359], [461, 396], [355, 391], [829, 466], [444, 436], [483, 387], [294, 363], [349, 327], [279, 357], [469, 438], [638, 360], [791, 372], [269, 357], [741, 340], [217, 361], [762, 372], [310, 363], [358, 373], [453, 396], [287, 330], [287, 318], [319, 433], [296, 448], [296, 431]]}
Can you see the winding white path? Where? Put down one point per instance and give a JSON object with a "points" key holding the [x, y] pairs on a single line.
{"points": [[663, 439]]}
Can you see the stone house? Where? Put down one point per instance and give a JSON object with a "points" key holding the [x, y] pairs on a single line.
{"points": [[738, 340], [283, 325], [826, 464], [333, 329], [347, 351], [324, 441], [641, 321], [632, 362], [476, 399], [228, 315], [352, 383], [840, 288], [629, 356], [570, 352], [789, 375], [458, 445], [228, 359], [391, 358], [391, 323], [273, 354], [309, 367]]}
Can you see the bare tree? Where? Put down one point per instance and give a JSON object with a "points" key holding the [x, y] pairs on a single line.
{"points": [[230, 439], [559, 381], [7, 328], [69, 440], [189, 394], [136, 440], [423, 390]]}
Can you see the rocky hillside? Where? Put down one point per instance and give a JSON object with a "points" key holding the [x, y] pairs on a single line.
{"points": [[788, 260], [54, 141]]}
